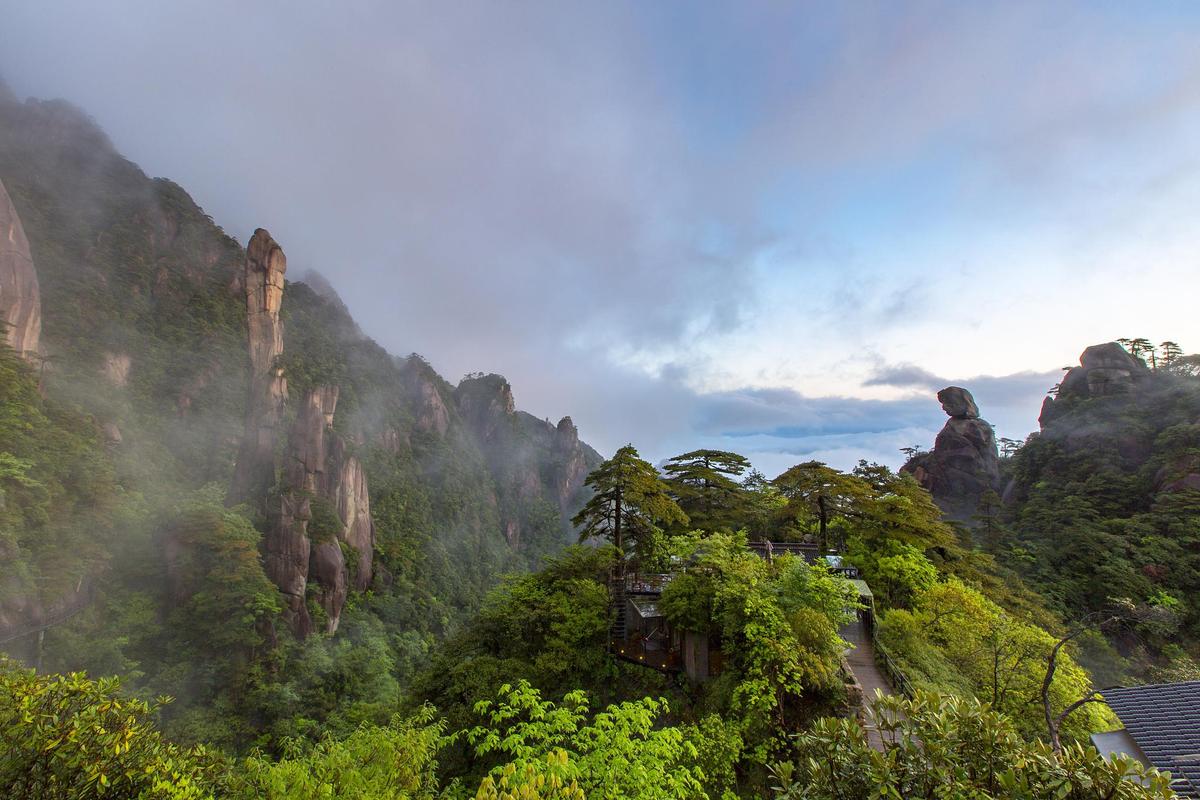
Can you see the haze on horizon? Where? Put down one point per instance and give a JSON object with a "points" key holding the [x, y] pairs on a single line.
{"points": [[766, 227]]}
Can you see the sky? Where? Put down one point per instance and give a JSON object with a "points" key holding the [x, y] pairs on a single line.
{"points": [[777, 228]]}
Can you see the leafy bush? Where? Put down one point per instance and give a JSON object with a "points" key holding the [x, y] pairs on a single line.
{"points": [[947, 747], [65, 737]]}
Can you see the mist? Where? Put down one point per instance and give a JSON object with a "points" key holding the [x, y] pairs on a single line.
{"points": [[636, 214]]}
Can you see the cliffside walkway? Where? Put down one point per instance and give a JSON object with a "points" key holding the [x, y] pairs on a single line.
{"points": [[862, 658], [57, 616]]}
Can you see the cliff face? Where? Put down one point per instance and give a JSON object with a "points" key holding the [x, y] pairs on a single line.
{"points": [[168, 333], [534, 464], [263, 282], [323, 501], [20, 299], [964, 462], [571, 465]]}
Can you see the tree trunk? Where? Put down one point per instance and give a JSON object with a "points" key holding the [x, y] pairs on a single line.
{"points": [[824, 518], [617, 536]]}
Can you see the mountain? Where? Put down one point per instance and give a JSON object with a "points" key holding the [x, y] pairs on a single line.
{"points": [[1100, 506], [1103, 502], [188, 374]]}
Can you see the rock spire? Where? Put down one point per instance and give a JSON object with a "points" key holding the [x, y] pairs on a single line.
{"points": [[964, 462]]}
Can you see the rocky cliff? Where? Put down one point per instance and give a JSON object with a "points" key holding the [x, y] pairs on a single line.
{"points": [[263, 281], [196, 359], [20, 300], [1105, 370], [534, 464], [317, 502], [964, 462]]}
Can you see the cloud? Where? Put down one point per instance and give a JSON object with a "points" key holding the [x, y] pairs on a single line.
{"points": [[751, 222], [905, 376]]}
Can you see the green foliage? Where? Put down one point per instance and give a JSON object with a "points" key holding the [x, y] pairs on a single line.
{"points": [[955, 639], [1109, 477], [897, 572], [947, 747], [57, 491], [821, 492], [393, 762], [550, 627], [704, 484], [65, 737], [630, 507], [619, 753], [780, 645], [222, 597]]}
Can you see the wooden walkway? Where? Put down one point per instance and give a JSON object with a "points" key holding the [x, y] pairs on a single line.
{"points": [[861, 658]]}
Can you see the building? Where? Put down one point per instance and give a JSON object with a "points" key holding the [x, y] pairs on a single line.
{"points": [[1162, 730]]}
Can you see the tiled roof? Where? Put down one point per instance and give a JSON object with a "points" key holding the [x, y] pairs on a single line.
{"points": [[1164, 720]]}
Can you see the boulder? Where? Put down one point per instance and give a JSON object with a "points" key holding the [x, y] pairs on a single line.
{"points": [[958, 402], [1104, 370]]}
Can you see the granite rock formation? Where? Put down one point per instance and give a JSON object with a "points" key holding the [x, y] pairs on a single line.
{"points": [[1105, 370], [303, 545], [570, 465], [20, 300], [532, 461], [964, 462], [263, 283]]}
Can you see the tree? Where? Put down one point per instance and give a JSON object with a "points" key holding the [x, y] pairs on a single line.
{"points": [[704, 483], [631, 504], [1168, 353], [761, 503], [940, 746], [392, 762], [1137, 347], [823, 492], [559, 751], [1009, 447], [987, 515], [1098, 621], [64, 737], [956, 639]]}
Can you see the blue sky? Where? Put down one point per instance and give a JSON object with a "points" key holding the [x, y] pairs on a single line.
{"points": [[775, 227]]}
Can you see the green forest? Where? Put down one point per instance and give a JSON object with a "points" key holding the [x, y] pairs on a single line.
{"points": [[151, 652]]}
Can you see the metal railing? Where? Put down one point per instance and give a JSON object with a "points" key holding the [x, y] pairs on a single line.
{"points": [[81, 601], [883, 658]]}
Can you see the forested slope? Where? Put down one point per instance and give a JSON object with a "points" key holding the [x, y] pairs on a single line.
{"points": [[143, 366]]}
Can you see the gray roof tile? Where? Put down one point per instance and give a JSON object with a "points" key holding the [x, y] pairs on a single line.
{"points": [[1164, 720]]}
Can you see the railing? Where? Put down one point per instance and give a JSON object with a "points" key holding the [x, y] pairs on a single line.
{"points": [[651, 583], [890, 668], [809, 551], [57, 617]]}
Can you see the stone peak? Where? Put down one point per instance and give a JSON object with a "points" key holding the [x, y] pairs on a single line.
{"points": [[958, 403]]}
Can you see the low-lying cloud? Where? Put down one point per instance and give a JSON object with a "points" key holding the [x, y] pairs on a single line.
{"points": [[765, 225]]}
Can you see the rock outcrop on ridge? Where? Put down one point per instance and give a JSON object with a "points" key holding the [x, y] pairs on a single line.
{"points": [[317, 502], [263, 283], [964, 462], [1105, 370], [531, 460]]}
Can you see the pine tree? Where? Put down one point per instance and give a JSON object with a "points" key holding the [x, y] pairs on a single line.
{"points": [[823, 492], [630, 507], [1169, 352], [704, 484]]}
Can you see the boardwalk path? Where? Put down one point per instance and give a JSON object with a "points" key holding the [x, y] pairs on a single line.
{"points": [[861, 657]]}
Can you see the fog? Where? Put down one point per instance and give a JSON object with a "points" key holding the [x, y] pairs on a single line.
{"points": [[771, 228]]}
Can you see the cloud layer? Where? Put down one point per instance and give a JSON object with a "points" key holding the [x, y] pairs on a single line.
{"points": [[753, 224]]}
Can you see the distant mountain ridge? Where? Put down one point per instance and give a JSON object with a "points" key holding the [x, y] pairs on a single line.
{"points": [[145, 331]]}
